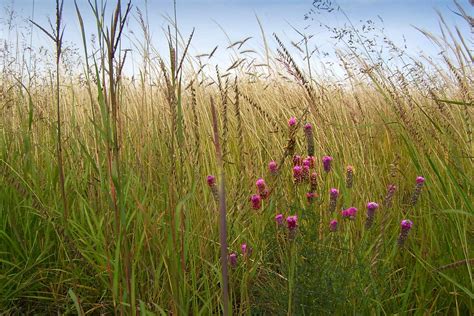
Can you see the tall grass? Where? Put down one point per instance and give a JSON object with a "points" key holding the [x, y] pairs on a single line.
{"points": [[143, 233]]}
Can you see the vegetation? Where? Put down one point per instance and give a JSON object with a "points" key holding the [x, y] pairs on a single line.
{"points": [[106, 205]]}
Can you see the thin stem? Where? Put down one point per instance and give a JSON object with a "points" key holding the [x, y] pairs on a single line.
{"points": [[222, 212]]}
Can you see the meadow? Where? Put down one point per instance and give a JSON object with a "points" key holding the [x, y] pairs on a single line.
{"points": [[255, 189]]}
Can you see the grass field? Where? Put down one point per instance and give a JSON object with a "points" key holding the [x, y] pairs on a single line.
{"points": [[106, 206]]}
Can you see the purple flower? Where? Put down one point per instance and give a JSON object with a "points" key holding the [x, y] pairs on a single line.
{"points": [[406, 225], [297, 174], [307, 163], [311, 160], [261, 185], [308, 126], [246, 251], [333, 225], [333, 194], [416, 193], [371, 207], [279, 219], [297, 160], [352, 211], [211, 180], [256, 201], [292, 222], [262, 188], [233, 259], [292, 121], [273, 167], [349, 213], [327, 163]]}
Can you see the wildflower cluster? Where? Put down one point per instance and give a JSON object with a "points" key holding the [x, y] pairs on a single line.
{"points": [[246, 252], [303, 167], [349, 213], [291, 223], [262, 194], [304, 171]]}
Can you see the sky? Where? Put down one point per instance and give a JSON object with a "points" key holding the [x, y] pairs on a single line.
{"points": [[214, 20]]}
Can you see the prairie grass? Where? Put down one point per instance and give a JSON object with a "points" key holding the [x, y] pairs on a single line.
{"points": [[134, 228]]}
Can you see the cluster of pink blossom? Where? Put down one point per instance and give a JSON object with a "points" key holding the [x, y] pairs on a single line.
{"points": [[233, 256], [304, 171]]}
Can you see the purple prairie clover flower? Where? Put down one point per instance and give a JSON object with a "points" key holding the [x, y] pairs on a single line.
{"points": [[333, 195], [313, 181], [297, 160], [243, 247], [333, 226], [371, 208], [307, 163], [256, 201], [327, 163], [298, 174], [308, 132], [352, 211], [420, 181], [279, 219], [292, 121], [311, 196], [211, 182], [262, 188], [311, 161], [349, 176], [260, 183], [292, 222], [349, 213], [233, 259], [387, 202], [406, 226], [246, 250], [273, 167]]}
